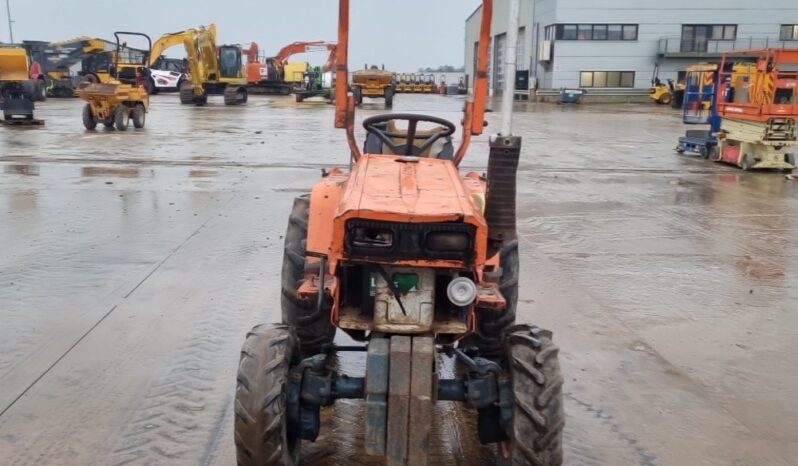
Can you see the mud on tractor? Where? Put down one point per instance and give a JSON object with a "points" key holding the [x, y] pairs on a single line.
{"points": [[418, 263], [123, 98]]}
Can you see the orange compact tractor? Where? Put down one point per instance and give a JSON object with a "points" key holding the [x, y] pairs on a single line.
{"points": [[419, 263]]}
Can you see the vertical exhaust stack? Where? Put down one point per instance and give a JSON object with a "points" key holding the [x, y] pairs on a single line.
{"points": [[505, 152]]}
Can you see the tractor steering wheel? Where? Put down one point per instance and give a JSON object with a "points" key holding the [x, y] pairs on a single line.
{"points": [[377, 125]]}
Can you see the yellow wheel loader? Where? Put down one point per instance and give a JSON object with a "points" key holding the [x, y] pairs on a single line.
{"points": [[123, 98], [17, 90], [212, 69]]}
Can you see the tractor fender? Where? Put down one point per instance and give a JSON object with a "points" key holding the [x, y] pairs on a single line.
{"points": [[324, 199]]}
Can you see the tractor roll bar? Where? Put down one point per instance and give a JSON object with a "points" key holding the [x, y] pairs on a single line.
{"points": [[474, 112]]}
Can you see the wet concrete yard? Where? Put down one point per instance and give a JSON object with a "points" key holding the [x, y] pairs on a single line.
{"points": [[132, 264]]}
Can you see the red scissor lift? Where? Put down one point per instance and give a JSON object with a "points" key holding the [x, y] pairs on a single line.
{"points": [[758, 107]]}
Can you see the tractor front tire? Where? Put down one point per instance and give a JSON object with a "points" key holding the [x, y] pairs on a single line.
{"points": [[665, 99], [261, 430], [139, 116], [491, 324], [312, 324], [89, 120], [535, 432], [121, 115]]}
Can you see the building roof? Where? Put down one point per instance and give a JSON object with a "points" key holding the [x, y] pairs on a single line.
{"points": [[479, 8]]}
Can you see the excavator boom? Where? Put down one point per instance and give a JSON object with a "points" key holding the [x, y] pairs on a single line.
{"points": [[312, 46]]}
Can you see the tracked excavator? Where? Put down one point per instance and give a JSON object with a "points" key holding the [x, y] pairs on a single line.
{"points": [[270, 75], [213, 69]]}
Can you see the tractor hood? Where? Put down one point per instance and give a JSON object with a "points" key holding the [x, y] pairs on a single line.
{"points": [[407, 189]]}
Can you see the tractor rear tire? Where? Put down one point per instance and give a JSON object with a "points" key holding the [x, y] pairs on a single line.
{"points": [[121, 115], [389, 98], [89, 120], [491, 325], [312, 324], [186, 94], [261, 427], [139, 116], [665, 99], [535, 432]]}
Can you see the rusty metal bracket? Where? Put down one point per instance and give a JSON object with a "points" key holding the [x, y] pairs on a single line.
{"points": [[377, 369]]}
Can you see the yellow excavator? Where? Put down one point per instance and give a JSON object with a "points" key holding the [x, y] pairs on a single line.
{"points": [[212, 69], [17, 90]]}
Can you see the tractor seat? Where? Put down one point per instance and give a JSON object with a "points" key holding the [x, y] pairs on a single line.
{"points": [[441, 149]]}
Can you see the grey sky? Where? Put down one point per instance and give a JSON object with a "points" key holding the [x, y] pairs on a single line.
{"points": [[402, 34]]}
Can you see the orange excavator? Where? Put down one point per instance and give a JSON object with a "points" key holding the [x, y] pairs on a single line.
{"points": [[268, 75]]}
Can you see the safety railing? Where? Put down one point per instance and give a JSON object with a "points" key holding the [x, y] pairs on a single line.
{"points": [[681, 47]]}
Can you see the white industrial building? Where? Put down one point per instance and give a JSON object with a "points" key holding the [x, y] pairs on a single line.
{"points": [[616, 47]]}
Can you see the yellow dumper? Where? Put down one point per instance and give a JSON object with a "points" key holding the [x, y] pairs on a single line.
{"points": [[16, 88], [123, 98], [374, 83]]}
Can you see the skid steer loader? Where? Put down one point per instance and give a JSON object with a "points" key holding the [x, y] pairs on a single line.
{"points": [[419, 262]]}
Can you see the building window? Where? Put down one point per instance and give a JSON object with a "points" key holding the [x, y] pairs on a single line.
{"points": [[548, 32], [593, 32], [629, 32], [789, 32], [607, 79], [520, 50], [695, 37]]}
